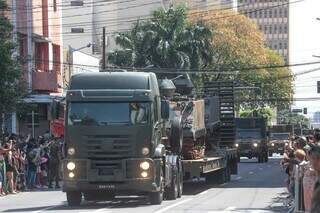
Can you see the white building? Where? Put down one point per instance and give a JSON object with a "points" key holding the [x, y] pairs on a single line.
{"points": [[304, 43], [83, 20]]}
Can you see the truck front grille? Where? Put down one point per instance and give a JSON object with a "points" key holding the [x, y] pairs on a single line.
{"points": [[106, 152]]}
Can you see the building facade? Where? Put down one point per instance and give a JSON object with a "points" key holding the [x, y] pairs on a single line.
{"points": [[272, 18], [83, 20], [37, 33]]}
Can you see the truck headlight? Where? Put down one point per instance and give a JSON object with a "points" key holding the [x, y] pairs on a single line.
{"points": [[272, 144], [71, 151], [255, 145], [144, 174], [71, 166], [237, 145], [71, 175], [145, 151], [286, 144], [145, 165]]}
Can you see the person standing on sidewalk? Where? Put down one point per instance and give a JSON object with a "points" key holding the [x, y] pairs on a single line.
{"points": [[3, 171], [315, 162], [54, 163]]}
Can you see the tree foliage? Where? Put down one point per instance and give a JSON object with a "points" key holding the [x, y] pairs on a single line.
{"points": [[10, 69], [238, 45], [258, 112], [288, 117], [165, 41]]}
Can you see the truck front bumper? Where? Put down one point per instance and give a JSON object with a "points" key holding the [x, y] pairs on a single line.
{"points": [[127, 177], [117, 187]]}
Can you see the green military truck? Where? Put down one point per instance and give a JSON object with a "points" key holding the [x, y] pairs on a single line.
{"points": [[121, 139], [279, 136], [251, 138]]}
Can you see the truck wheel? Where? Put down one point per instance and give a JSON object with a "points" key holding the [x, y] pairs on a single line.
{"points": [[156, 198], [221, 176], [211, 178], [176, 135], [267, 158], [173, 190], [180, 183], [74, 198]]}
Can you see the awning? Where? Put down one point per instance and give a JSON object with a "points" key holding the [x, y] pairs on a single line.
{"points": [[39, 99]]}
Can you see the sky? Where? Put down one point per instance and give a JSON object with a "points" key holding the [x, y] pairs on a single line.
{"points": [[304, 42]]}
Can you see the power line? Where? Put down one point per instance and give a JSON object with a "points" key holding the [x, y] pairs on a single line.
{"points": [[248, 12]]}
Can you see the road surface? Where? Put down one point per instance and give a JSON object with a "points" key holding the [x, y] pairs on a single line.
{"points": [[257, 188]]}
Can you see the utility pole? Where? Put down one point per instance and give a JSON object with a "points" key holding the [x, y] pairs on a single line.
{"points": [[103, 49], [29, 43], [15, 54]]}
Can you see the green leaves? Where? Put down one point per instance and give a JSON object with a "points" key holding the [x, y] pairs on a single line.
{"points": [[165, 41], [11, 86]]}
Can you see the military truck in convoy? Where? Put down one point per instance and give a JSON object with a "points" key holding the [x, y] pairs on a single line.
{"points": [[125, 133], [251, 138], [279, 136]]}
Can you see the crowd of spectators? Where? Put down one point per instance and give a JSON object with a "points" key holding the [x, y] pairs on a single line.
{"points": [[301, 163], [29, 164]]}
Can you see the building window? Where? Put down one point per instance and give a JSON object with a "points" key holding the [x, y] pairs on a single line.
{"points": [[280, 29], [55, 5], [270, 13], [285, 13], [275, 29], [280, 45], [285, 45], [280, 12], [77, 30], [270, 29], [77, 3], [285, 29], [275, 13], [265, 29]]}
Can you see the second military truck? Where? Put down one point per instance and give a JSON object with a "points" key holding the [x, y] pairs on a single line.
{"points": [[251, 139]]}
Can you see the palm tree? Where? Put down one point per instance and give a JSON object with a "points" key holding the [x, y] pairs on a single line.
{"points": [[165, 41]]}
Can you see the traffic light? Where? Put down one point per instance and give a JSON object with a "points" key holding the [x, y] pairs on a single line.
{"points": [[305, 111], [318, 86]]}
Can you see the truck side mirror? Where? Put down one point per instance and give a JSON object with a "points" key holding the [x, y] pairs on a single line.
{"points": [[165, 109], [55, 109]]}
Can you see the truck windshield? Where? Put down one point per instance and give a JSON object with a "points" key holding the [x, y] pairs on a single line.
{"points": [[280, 136], [248, 134], [102, 114]]}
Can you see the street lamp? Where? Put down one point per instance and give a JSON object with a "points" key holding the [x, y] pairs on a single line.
{"points": [[70, 58]]}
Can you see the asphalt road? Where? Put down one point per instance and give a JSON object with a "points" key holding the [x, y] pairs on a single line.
{"points": [[257, 188]]}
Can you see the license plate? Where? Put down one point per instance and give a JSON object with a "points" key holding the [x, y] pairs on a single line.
{"points": [[106, 186], [280, 149]]}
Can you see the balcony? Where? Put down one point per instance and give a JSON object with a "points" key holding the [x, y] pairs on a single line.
{"points": [[45, 81]]}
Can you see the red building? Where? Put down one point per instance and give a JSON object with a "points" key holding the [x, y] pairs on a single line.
{"points": [[37, 26]]}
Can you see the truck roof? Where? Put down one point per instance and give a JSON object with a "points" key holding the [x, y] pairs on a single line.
{"points": [[111, 80]]}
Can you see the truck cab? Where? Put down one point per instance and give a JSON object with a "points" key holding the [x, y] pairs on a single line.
{"points": [[251, 138], [114, 134], [279, 136]]}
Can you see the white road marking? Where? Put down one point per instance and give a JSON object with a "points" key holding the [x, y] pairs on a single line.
{"points": [[202, 193], [251, 173], [104, 210], [172, 206], [230, 208], [44, 209], [260, 168]]}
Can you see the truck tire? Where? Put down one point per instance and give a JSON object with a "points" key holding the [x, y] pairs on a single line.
{"points": [[266, 158], [180, 179], [74, 198], [221, 176], [176, 135], [156, 198], [172, 191]]}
